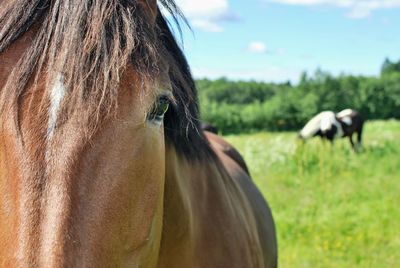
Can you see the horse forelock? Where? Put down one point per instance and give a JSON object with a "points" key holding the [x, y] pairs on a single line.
{"points": [[90, 44]]}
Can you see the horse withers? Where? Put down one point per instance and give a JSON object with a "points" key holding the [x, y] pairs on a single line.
{"points": [[227, 149], [102, 160], [331, 126]]}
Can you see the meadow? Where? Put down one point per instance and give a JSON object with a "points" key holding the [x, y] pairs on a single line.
{"points": [[332, 207]]}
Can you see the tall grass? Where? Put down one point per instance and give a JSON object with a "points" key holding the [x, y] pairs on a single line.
{"points": [[332, 207]]}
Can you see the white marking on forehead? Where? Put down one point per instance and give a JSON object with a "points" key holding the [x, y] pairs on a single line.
{"points": [[56, 96]]}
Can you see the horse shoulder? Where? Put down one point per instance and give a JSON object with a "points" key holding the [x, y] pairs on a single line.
{"points": [[259, 215], [213, 204]]}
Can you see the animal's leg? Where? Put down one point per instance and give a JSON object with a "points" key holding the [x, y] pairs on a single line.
{"points": [[351, 141], [359, 136]]}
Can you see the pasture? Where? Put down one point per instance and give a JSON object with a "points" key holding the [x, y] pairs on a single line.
{"points": [[332, 207]]}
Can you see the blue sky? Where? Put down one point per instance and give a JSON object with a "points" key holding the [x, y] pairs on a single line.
{"points": [[275, 40]]}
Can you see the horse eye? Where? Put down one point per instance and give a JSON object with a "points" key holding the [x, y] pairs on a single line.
{"points": [[158, 111]]}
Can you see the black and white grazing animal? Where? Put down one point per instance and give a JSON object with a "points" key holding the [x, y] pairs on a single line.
{"points": [[331, 126]]}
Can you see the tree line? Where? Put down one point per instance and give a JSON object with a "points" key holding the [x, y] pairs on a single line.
{"points": [[237, 106]]}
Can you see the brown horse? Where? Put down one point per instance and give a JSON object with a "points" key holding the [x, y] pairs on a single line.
{"points": [[102, 160]]}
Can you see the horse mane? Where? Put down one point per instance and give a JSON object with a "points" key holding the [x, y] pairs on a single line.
{"points": [[90, 43]]}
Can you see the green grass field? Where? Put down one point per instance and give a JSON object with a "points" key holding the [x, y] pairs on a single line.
{"points": [[332, 207]]}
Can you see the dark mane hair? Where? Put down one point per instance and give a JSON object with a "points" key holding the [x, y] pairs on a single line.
{"points": [[90, 42]]}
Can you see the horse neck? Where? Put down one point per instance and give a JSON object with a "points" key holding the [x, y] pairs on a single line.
{"points": [[202, 200], [180, 207], [311, 128]]}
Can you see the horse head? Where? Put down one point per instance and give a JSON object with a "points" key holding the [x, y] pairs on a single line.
{"points": [[88, 87], [102, 160]]}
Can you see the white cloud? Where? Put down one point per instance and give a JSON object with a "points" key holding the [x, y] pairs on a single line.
{"points": [[257, 47], [357, 8], [207, 15], [203, 8]]}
